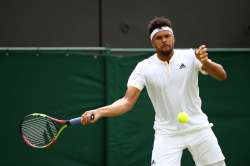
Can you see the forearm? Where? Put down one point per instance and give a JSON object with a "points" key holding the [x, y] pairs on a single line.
{"points": [[117, 108], [215, 70]]}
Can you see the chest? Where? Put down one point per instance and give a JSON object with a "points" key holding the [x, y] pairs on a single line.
{"points": [[173, 75]]}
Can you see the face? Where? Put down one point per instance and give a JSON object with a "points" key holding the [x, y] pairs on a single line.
{"points": [[163, 42]]}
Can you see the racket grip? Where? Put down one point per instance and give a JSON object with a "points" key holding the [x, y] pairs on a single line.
{"points": [[77, 121]]}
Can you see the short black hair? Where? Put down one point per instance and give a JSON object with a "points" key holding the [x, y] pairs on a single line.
{"points": [[158, 22]]}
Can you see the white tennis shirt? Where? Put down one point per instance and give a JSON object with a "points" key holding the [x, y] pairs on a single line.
{"points": [[172, 88]]}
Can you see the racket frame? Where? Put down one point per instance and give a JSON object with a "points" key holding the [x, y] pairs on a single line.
{"points": [[65, 124]]}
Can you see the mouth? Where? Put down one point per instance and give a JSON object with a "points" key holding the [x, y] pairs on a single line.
{"points": [[165, 46]]}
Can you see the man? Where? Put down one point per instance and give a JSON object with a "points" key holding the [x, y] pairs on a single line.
{"points": [[171, 79]]}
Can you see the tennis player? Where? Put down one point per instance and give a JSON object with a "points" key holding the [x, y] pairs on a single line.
{"points": [[171, 79]]}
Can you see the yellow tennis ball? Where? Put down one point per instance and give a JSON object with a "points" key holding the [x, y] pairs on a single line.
{"points": [[183, 117]]}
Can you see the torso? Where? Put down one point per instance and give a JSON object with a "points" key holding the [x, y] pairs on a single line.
{"points": [[173, 88]]}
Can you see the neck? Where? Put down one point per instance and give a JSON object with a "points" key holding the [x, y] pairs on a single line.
{"points": [[165, 56]]}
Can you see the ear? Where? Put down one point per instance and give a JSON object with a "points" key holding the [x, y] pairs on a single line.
{"points": [[174, 40], [152, 43]]}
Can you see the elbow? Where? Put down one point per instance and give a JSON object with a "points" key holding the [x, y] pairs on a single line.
{"points": [[128, 105], [221, 73], [223, 76]]}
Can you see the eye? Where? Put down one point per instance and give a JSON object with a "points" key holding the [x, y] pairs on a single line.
{"points": [[167, 36], [158, 37]]}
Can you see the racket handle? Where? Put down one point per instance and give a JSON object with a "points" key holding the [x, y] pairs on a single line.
{"points": [[77, 121]]}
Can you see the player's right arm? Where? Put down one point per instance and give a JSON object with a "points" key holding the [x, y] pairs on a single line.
{"points": [[117, 108]]}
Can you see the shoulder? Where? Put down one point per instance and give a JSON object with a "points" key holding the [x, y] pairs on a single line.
{"points": [[147, 61], [184, 52]]}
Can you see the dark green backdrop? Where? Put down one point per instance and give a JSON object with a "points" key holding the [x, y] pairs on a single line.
{"points": [[65, 82]]}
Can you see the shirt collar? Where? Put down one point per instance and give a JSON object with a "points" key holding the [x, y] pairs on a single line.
{"points": [[160, 61]]}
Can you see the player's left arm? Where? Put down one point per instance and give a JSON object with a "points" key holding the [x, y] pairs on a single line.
{"points": [[212, 68]]}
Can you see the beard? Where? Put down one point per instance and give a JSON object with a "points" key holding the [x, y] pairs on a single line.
{"points": [[166, 52]]}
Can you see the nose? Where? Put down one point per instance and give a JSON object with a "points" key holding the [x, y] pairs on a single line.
{"points": [[164, 39]]}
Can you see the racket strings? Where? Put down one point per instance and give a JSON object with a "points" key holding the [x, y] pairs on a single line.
{"points": [[39, 131]]}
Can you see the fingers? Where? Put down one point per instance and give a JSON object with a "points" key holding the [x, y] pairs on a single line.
{"points": [[201, 53], [88, 117], [203, 57], [201, 50]]}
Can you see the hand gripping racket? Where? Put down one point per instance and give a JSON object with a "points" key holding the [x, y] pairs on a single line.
{"points": [[41, 131]]}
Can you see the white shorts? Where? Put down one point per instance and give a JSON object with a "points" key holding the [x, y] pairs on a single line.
{"points": [[202, 144]]}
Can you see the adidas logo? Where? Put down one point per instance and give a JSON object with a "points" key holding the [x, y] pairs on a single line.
{"points": [[182, 66]]}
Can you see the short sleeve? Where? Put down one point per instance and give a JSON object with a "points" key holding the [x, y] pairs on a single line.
{"points": [[198, 64], [137, 78]]}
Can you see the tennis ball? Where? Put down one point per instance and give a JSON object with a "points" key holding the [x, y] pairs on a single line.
{"points": [[183, 117]]}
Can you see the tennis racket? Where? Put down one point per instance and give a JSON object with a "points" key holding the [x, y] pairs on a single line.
{"points": [[41, 131]]}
